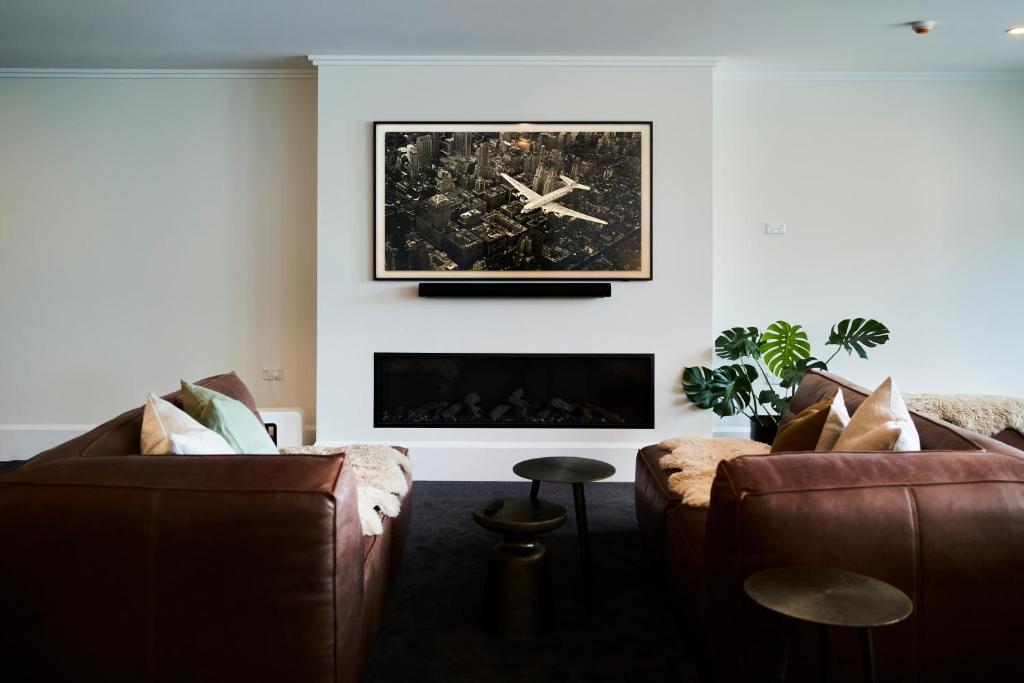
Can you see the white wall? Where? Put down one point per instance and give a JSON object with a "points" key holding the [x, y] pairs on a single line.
{"points": [[151, 229], [132, 208], [904, 201], [670, 316]]}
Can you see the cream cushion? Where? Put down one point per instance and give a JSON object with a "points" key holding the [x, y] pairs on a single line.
{"points": [[166, 429], [881, 423], [836, 422]]}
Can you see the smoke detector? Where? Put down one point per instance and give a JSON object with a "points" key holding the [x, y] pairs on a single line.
{"points": [[922, 26]]}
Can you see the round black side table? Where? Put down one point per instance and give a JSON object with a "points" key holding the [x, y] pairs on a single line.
{"points": [[518, 601], [575, 471], [829, 597]]}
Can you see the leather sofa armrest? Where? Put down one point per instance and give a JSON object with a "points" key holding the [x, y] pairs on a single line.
{"points": [[943, 526], [198, 567]]}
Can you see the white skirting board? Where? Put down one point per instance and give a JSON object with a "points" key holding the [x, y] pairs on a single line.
{"points": [[21, 442], [493, 460], [432, 460]]}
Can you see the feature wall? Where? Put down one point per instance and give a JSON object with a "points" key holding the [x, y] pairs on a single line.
{"points": [[356, 316]]}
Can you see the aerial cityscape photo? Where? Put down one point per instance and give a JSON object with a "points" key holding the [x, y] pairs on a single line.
{"points": [[472, 203]]}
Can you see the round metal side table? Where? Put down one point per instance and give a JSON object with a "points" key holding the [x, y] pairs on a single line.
{"points": [[575, 471], [518, 600], [829, 597]]}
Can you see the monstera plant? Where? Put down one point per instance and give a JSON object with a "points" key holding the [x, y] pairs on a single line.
{"points": [[783, 352]]}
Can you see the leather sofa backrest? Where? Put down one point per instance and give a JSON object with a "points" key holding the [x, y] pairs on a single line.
{"points": [[121, 435], [935, 434]]}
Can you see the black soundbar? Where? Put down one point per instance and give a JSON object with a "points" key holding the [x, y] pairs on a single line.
{"points": [[495, 290]]}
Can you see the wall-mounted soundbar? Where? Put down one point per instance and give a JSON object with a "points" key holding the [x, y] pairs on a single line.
{"points": [[509, 290]]}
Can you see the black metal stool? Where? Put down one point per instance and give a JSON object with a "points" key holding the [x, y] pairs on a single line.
{"points": [[518, 599], [829, 597]]}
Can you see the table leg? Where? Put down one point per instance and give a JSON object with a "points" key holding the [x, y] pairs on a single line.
{"points": [[534, 490], [787, 640], [867, 654], [823, 653], [583, 535]]}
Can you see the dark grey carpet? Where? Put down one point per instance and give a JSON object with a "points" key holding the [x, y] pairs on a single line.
{"points": [[430, 630]]}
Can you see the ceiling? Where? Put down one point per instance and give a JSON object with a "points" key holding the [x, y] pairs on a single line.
{"points": [[804, 35]]}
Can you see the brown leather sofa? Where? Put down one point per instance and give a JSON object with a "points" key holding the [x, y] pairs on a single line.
{"points": [[945, 525], [116, 567]]}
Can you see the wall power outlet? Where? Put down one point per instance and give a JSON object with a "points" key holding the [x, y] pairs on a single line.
{"points": [[273, 374], [775, 228]]}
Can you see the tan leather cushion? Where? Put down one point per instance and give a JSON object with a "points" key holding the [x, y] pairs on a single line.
{"points": [[881, 423], [802, 432]]}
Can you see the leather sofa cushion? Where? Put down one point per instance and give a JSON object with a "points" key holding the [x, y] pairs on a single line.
{"points": [[653, 498], [935, 435], [382, 556], [686, 527], [1011, 437], [122, 435]]}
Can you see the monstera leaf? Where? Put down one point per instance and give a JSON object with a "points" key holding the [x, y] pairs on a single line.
{"points": [[783, 345], [726, 390], [854, 335], [697, 386], [792, 375], [737, 342], [770, 398]]}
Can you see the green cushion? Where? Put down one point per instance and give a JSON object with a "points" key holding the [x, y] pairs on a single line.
{"points": [[230, 418]]}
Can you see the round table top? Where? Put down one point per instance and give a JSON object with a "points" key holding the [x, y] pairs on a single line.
{"points": [[833, 597], [563, 470], [521, 516]]}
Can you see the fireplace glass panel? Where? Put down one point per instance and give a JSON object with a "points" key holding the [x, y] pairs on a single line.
{"points": [[514, 390]]}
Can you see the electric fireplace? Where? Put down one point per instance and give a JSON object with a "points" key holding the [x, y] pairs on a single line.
{"points": [[547, 390]]}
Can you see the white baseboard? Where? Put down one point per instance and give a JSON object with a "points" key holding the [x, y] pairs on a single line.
{"points": [[21, 442], [493, 460], [432, 460]]}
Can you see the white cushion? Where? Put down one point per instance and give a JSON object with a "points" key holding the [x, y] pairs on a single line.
{"points": [[881, 423], [835, 423], [166, 429]]}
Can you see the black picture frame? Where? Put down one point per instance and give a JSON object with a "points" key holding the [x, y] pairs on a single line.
{"points": [[646, 227]]}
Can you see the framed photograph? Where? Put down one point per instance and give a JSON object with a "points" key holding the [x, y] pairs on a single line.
{"points": [[512, 201]]}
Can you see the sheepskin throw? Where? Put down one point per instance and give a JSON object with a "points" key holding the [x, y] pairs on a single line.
{"points": [[697, 459], [979, 413], [380, 479]]}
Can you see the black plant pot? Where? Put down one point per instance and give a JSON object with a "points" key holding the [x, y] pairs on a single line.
{"points": [[763, 429]]}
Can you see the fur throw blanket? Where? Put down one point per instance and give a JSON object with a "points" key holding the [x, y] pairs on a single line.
{"points": [[979, 413], [380, 479], [697, 459]]}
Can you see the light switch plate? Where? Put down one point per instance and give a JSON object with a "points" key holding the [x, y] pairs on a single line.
{"points": [[775, 228]]}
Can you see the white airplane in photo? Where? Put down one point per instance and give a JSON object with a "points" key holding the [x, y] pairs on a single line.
{"points": [[547, 203]]}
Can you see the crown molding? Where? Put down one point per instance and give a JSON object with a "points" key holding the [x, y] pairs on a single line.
{"points": [[731, 75], [548, 61], [186, 74]]}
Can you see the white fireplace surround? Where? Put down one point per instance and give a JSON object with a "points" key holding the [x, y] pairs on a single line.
{"points": [[356, 316]]}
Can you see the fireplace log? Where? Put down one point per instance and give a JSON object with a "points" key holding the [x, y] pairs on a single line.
{"points": [[453, 410], [559, 404]]}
